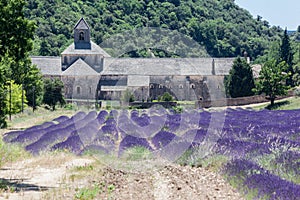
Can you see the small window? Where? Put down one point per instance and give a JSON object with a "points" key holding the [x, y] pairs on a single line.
{"points": [[81, 36], [65, 60], [78, 90], [160, 86], [151, 86], [180, 86], [90, 90], [192, 86]]}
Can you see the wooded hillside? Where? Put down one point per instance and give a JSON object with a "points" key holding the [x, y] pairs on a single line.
{"points": [[224, 29]]}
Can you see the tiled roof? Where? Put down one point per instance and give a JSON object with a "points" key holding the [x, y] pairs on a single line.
{"points": [[47, 64], [138, 66], [95, 49], [137, 81], [79, 68], [166, 66]]}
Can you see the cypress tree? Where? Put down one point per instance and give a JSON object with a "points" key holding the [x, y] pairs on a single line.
{"points": [[287, 56], [240, 81]]}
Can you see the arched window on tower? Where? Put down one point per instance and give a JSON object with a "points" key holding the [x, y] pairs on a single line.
{"points": [[81, 36]]}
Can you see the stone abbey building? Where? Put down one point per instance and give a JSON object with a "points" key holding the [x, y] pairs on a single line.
{"points": [[90, 73]]}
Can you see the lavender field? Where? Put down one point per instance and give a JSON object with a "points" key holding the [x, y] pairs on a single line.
{"points": [[262, 148]]}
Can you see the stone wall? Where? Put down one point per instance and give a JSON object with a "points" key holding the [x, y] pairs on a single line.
{"points": [[236, 101], [182, 88], [80, 87]]}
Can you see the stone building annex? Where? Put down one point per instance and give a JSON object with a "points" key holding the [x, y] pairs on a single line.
{"points": [[90, 73]]}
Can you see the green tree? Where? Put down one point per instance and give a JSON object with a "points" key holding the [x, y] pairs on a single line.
{"points": [[14, 98], [16, 32], [286, 55], [240, 81], [3, 123], [16, 36], [165, 97], [296, 76], [33, 85], [272, 80], [220, 26], [4, 74], [53, 92]]}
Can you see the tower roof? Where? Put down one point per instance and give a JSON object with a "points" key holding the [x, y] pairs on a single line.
{"points": [[81, 24]]}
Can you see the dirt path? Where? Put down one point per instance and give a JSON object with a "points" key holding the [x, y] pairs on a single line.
{"points": [[48, 177], [30, 178], [170, 182]]}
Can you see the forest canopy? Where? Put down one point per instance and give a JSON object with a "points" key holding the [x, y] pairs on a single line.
{"points": [[223, 28]]}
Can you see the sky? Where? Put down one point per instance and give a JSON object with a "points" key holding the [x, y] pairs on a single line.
{"points": [[283, 13]]}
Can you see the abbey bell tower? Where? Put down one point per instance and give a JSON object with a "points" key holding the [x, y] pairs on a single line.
{"points": [[82, 35]]}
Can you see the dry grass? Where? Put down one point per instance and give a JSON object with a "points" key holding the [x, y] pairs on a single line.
{"points": [[30, 118]]}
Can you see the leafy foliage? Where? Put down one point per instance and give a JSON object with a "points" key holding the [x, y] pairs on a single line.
{"points": [[240, 81], [221, 27], [16, 36], [16, 31], [285, 49], [33, 84], [53, 92], [272, 79], [4, 74], [165, 97], [296, 76], [286, 55], [14, 98]]}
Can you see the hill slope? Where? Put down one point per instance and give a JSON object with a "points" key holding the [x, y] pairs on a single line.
{"points": [[220, 25]]}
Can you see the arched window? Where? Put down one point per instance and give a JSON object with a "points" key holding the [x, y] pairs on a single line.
{"points": [[151, 86], [192, 86], [78, 89], [90, 90], [81, 36], [180, 86], [160, 86]]}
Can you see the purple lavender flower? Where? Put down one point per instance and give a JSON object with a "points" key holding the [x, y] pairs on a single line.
{"points": [[162, 138], [131, 141], [61, 119], [73, 144]]}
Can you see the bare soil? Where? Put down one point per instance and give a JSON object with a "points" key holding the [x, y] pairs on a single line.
{"points": [[63, 176]]}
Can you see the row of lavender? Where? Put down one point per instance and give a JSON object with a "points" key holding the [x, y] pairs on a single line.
{"points": [[247, 137], [265, 151]]}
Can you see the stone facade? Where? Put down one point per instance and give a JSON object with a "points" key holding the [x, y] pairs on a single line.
{"points": [[88, 72]]}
